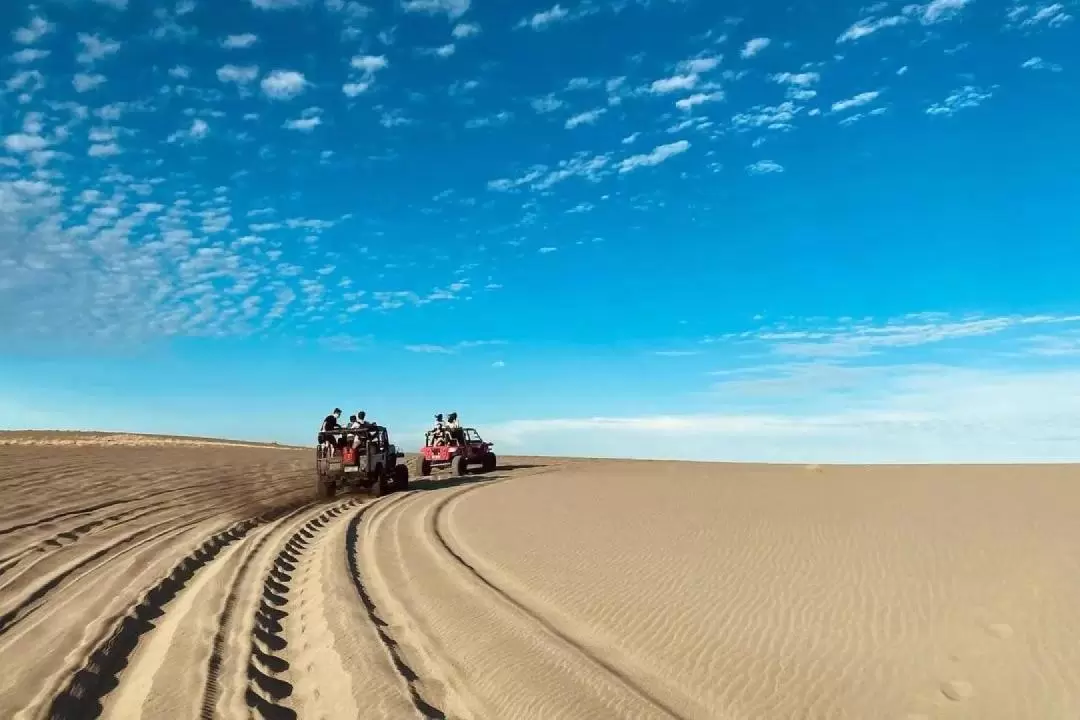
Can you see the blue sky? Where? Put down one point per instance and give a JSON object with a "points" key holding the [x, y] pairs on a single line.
{"points": [[667, 228]]}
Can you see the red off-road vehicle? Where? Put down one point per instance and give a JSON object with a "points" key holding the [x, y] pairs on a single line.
{"points": [[372, 464], [460, 452]]}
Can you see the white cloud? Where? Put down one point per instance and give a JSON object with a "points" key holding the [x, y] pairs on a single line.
{"points": [[588, 117], [37, 29], [764, 167], [697, 66], [83, 82], [452, 349], [240, 75], [352, 89], [545, 19], [658, 155], [29, 55], [442, 51], [1037, 63], [309, 119], [99, 135], [453, 8], [541, 177], [688, 103], [369, 63], [394, 118], [631, 138], [181, 72], [1049, 14], [546, 250], [199, 129], [675, 83], [968, 96], [932, 415], [939, 10], [238, 42], [278, 4], [103, 150], [778, 117], [859, 100], [95, 48], [25, 143], [116, 4], [546, 104], [754, 46], [830, 403], [803, 79], [856, 339], [869, 26], [498, 364], [500, 118], [283, 84], [464, 30]]}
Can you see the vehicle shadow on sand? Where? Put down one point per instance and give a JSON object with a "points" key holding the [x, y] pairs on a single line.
{"points": [[444, 481]]}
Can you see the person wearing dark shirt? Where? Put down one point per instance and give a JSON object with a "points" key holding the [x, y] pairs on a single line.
{"points": [[329, 423]]}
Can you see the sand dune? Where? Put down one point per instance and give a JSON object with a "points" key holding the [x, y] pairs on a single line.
{"points": [[144, 579]]}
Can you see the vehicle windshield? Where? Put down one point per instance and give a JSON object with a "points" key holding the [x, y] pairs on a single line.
{"points": [[472, 436]]}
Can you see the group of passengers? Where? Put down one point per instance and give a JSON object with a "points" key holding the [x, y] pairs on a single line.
{"points": [[358, 422], [446, 432]]}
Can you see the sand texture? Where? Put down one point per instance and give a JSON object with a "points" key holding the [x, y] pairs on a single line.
{"points": [[157, 579]]}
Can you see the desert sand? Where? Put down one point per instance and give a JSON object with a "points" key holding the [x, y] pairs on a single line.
{"points": [[149, 577]]}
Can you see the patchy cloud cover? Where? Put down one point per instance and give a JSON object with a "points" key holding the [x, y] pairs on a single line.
{"points": [[595, 207]]}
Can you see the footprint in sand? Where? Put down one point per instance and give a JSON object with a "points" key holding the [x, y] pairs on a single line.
{"points": [[1000, 630], [957, 690]]}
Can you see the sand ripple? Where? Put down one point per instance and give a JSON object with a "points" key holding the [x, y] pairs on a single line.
{"points": [[169, 581]]}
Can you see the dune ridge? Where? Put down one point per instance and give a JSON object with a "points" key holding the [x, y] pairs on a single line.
{"points": [[183, 580]]}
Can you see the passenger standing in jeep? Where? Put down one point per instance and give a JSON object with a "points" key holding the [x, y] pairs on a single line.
{"points": [[329, 424]]}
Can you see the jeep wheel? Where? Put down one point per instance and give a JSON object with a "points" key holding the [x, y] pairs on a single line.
{"points": [[425, 467], [381, 486], [490, 462], [325, 488], [401, 478], [457, 466]]}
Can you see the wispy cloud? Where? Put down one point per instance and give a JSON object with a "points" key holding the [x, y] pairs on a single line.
{"points": [[452, 8], [869, 26], [1037, 63], [658, 155], [765, 167], [754, 46], [966, 97], [858, 100], [453, 349], [589, 117], [546, 18], [239, 42]]}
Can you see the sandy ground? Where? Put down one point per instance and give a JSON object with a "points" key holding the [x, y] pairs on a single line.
{"points": [[157, 579]]}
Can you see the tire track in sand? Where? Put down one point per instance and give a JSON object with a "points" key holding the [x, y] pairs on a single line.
{"points": [[437, 532], [492, 654], [100, 673], [408, 675], [313, 652], [212, 690], [269, 683]]}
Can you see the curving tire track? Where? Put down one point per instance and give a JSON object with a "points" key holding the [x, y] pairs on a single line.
{"points": [[202, 598], [459, 628], [82, 696], [408, 674], [549, 626]]}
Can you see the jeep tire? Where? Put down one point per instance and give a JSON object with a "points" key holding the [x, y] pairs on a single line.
{"points": [[457, 466]]}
